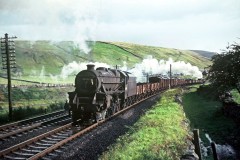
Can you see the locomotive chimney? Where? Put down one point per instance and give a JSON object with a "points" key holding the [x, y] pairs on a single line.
{"points": [[90, 67]]}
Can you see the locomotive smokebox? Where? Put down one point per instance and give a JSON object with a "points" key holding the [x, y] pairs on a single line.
{"points": [[90, 67]]}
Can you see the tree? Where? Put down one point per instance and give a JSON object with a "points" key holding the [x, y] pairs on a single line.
{"points": [[225, 70]]}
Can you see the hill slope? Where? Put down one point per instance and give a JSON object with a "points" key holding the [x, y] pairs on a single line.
{"points": [[206, 54], [45, 57], [192, 57]]}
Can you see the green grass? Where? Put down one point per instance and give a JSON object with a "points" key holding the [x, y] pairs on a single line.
{"points": [[113, 55], [236, 96], [159, 134], [205, 114]]}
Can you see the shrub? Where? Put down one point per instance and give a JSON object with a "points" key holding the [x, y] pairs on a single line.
{"points": [[20, 113]]}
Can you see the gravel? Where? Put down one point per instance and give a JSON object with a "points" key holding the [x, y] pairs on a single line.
{"points": [[94, 143]]}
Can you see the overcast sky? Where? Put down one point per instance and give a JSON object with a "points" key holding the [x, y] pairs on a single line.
{"points": [[183, 24]]}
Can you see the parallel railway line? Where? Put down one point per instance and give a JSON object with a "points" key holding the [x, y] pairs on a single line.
{"points": [[19, 127]]}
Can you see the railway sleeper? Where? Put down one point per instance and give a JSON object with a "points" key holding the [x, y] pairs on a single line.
{"points": [[63, 134], [58, 151], [28, 150], [16, 158], [44, 144], [38, 147], [49, 142], [61, 137], [53, 139], [23, 154]]}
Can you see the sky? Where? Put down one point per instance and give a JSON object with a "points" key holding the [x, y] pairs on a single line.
{"points": [[183, 24]]}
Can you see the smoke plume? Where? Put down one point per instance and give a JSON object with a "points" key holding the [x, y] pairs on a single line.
{"points": [[153, 66], [74, 67], [147, 66]]}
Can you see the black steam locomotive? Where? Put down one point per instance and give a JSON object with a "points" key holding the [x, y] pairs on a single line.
{"points": [[102, 92]]}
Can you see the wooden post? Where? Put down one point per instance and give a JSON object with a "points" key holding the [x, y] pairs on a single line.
{"points": [[214, 150], [170, 76], [197, 143], [147, 78], [8, 67], [9, 59]]}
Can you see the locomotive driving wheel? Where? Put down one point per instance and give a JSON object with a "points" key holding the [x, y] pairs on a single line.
{"points": [[114, 108]]}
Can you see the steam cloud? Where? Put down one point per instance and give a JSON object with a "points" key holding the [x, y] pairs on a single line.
{"points": [[74, 68], [153, 66], [147, 66]]}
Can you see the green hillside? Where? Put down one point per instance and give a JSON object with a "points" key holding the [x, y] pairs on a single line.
{"points": [[164, 53], [205, 53], [47, 58]]}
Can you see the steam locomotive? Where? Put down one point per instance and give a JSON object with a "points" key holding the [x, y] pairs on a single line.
{"points": [[101, 92]]}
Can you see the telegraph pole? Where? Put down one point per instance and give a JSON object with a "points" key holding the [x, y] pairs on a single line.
{"points": [[8, 62], [170, 75]]}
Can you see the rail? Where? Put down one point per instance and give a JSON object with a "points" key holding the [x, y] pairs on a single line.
{"points": [[2, 127]]}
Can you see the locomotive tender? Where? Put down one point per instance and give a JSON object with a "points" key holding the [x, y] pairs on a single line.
{"points": [[101, 92]]}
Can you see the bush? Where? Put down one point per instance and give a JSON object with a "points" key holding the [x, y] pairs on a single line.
{"points": [[20, 113], [25, 112], [55, 106], [3, 118]]}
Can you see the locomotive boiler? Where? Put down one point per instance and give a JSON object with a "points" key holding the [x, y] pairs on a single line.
{"points": [[100, 93]]}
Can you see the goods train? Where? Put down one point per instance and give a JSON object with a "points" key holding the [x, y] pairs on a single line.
{"points": [[100, 93]]}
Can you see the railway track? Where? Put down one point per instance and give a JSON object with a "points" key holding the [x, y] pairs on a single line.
{"points": [[43, 146], [19, 127]]}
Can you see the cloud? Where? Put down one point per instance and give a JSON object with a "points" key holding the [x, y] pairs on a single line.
{"points": [[185, 24], [162, 10]]}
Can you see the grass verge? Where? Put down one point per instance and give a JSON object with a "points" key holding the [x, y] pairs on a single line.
{"points": [[205, 113], [159, 134]]}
